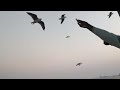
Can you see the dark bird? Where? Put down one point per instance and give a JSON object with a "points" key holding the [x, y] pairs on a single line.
{"points": [[110, 14], [118, 13], [78, 64], [62, 18], [37, 20], [67, 36]]}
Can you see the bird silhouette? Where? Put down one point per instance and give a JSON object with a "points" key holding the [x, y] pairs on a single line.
{"points": [[110, 14], [118, 13], [62, 18], [78, 64], [36, 20], [67, 36]]}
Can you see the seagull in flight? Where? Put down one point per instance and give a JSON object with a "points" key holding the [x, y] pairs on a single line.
{"points": [[118, 12], [78, 64], [62, 18], [67, 36], [110, 14], [37, 20]]}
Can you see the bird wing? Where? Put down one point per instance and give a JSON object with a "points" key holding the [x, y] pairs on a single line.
{"points": [[109, 15], [34, 16], [42, 24], [62, 20]]}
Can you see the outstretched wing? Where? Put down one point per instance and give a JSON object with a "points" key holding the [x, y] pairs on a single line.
{"points": [[34, 16], [62, 20], [42, 24]]}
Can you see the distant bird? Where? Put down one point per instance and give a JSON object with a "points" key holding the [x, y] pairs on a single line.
{"points": [[62, 18], [67, 36], [110, 14], [37, 20], [118, 13], [78, 64]]}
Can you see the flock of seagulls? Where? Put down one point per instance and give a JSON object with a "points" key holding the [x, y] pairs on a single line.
{"points": [[39, 20], [62, 18]]}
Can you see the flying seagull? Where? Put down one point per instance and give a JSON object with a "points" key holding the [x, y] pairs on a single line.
{"points": [[110, 14], [78, 64], [118, 12], [67, 36], [37, 20], [62, 18]]}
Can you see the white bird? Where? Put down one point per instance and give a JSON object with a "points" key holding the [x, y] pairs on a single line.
{"points": [[37, 20], [110, 14], [78, 64], [62, 18]]}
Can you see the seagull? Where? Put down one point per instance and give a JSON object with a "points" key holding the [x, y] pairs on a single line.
{"points": [[118, 12], [37, 20], [78, 64], [62, 18], [110, 14], [67, 36]]}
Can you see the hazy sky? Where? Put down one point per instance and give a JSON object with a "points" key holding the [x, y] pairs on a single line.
{"points": [[26, 51]]}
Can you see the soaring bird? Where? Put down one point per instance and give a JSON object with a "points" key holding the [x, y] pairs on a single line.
{"points": [[118, 12], [62, 18], [78, 64], [67, 36], [37, 20], [110, 14]]}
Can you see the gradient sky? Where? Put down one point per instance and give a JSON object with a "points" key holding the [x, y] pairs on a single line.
{"points": [[28, 52]]}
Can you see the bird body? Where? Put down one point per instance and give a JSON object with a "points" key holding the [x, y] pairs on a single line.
{"points": [[78, 64], [110, 14], [36, 20], [62, 18], [67, 36]]}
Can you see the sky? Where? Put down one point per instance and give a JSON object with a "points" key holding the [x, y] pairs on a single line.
{"points": [[28, 52]]}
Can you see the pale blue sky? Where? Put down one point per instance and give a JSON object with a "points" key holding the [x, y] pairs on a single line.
{"points": [[26, 51]]}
